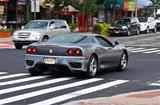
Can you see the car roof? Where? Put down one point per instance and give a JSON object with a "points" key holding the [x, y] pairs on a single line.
{"points": [[86, 34], [49, 20]]}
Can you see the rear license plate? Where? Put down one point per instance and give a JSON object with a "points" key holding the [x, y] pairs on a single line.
{"points": [[22, 39], [117, 32], [49, 60]]}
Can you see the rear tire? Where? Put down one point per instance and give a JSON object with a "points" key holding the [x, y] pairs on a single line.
{"points": [[18, 46], [137, 32], [123, 62], [35, 72], [147, 30], [128, 33], [92, 67]]}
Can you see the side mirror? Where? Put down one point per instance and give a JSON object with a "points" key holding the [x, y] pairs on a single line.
{"points": [[116, 43], [52, 27]]}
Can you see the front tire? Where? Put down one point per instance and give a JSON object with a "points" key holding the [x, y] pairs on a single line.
{"points": [[147, 30], [18, 46], [137, 32], [123, 62], [155, 29], [92, 67], [45, 38], [128, 33]]}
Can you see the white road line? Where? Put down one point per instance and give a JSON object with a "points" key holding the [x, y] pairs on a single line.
{"points": [[44, 91], [155, 84], [13, 75], [152, 51], [79, 93], [136, 49], [28, 86], [130, 48], [3, 73], [21, 80], [145, 50]]}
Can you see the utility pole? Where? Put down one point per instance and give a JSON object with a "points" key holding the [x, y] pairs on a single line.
{"points": [[135, 8], [114, 10]]}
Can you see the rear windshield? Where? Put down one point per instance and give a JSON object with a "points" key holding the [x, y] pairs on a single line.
{"points": [[67, 38], [124, 21], [143, 19]]}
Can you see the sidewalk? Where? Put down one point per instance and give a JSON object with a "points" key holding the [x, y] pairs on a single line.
{"points": [[6, 43], [151, 97]]}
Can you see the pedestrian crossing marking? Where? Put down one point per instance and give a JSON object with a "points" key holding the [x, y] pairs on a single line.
{"points": [[1, 73], [28, 86], [48, 90], [155, 84], [21, 80], [79, 93], [143, 50], [152, 51], [13, 75]]}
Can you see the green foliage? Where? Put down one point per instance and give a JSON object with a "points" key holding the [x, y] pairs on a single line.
{"points": [[73, 26], [5, 30], [101, 28], [88, 7]]}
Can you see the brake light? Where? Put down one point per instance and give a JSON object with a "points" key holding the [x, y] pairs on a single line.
{"points": [[78, 52], [70, 51], [74, 52], [31, 50]]}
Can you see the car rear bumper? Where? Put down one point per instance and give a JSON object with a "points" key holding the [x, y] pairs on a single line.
{"points": [[61, 62]]}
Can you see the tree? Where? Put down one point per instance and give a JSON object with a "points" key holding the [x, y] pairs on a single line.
{"points": [[57, 5]]}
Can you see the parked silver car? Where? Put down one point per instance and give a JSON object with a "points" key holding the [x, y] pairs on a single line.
{"points": [[39, 30], [86, 53]]}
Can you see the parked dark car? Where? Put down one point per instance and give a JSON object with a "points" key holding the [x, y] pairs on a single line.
{"points": [[75, 52], [125, 26]]}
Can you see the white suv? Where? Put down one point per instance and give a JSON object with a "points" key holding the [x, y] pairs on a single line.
{"points": [[39, 31], [147, 24]]}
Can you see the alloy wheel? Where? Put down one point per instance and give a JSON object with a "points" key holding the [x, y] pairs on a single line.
{"points": [[92, 67]]}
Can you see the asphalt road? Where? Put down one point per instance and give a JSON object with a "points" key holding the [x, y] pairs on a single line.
{"points": [[17, 87]]}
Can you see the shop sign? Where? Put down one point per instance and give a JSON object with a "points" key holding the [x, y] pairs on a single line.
{"points": [[132, 6], [35, 6], [117, 3], [1, 9]]}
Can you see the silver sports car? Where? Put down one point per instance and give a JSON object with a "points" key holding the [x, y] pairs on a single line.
{"points": [[76, 52]]}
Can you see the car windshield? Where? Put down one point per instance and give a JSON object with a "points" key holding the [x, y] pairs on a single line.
{"points": [[124, 21], [143, 19], [157, 17], [67, 38], [36, 25]]}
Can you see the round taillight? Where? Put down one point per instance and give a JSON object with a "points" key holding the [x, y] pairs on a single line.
{"points": [[34, 50], [29, 50], [78, 52], [70, 51]]}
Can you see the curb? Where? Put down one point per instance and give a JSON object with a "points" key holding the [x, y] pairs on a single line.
{"points": [[110, 100]]}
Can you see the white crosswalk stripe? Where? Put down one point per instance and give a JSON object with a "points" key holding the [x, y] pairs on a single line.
{"points": [[28, 86], [47, 90], [13, 75], [79, 93], [155, 84], [3, 73], [145, 50], [20, 80], [152, 51]]}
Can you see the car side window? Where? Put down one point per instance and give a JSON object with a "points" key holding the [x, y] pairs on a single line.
{"points": [[60, 24], [103, 42]]}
